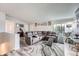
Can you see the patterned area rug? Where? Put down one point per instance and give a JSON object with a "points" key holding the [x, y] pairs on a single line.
{"points": [[38, 50]]}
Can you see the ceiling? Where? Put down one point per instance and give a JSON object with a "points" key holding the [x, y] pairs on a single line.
{"points": [[39, 12]]}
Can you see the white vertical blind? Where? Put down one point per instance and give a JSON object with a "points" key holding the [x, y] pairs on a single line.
{"points": [[2, 22], [10, 26]]}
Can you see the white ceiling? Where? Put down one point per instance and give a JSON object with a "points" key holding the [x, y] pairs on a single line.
{"points": [[34, 12]]}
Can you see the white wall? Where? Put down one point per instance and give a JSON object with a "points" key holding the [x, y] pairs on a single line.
{"points": [[40, 28], [51, 28], [19, 22]]}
